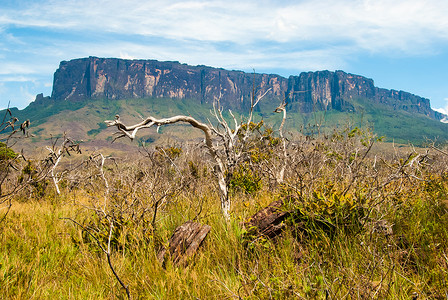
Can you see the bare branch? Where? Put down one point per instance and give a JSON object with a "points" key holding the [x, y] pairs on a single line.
{"points": [[107, 252], [208, 131]]}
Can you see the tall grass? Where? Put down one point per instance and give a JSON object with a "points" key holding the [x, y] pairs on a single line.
{"points": [[397, 250]]}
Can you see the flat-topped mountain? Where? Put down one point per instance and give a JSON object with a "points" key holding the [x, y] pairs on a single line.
{"points": [[88, 91], [112, 78]]}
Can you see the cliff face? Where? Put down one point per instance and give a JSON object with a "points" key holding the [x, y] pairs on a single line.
{"points": [[324, 90], [123, 79], [111, 78]]}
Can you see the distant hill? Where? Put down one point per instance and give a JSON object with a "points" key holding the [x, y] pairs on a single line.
{"points": [[89, 90]]}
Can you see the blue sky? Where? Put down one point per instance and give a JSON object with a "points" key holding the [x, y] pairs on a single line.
{"points": [[401, 44]]}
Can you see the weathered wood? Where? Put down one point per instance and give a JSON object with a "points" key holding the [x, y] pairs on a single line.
{"points": [[184, 242], [269, 221]]}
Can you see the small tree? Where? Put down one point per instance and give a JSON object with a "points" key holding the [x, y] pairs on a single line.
{"points": [[9, 130], [56, 154], [228, 145]]}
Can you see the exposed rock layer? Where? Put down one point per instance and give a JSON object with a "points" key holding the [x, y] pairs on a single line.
{"points": [[112, 78]]}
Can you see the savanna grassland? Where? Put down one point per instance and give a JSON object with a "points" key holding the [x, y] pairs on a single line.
{"points": [[367, 220]]}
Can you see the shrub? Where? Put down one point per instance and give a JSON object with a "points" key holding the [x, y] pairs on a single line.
{"points": [[6, 153], [245, 179]]}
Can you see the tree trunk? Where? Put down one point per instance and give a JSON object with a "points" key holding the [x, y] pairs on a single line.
{"points": [[224, 195]]}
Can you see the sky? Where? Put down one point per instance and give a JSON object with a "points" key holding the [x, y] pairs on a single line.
{"points": [[400, 44]]}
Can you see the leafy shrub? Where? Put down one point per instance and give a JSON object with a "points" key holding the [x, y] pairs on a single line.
{"points": [[98, 230], [332, 210], [245, 179], [172, 152], [6, 153]]}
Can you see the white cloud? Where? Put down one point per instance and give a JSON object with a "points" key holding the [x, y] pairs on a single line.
{"points": [[16, 78], [264, 34], [125, 55], [321, 34], [207, 54], [406, 25], [443, 110], [26, 95], [15, 68], [410, 26]]}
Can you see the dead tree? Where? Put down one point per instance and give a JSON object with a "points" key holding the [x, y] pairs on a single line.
{"points": [[98, 161], [281, 173], [55, 156], [10, 129], [227, 153], [131, 131]]}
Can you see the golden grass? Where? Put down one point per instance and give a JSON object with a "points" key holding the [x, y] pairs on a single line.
{"points": [[42, 256], [45, 255]]}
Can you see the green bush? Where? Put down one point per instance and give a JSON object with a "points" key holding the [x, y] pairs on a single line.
{"points": [[245, 179], [6, 153]]}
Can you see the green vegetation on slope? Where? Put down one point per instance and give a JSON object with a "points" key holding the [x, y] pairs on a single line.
{"points": [[394, 125], [401, 126]]}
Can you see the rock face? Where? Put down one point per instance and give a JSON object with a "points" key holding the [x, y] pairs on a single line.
{"points": [[324, 90], [112, 78]]}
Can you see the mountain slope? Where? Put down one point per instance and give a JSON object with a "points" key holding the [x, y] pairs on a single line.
{"points": [[90, 90]]}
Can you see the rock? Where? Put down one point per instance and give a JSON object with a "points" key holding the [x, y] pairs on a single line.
{"points": [[383, 227], [184, 242], [40, 99], [270, 221], [112, 78]]}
